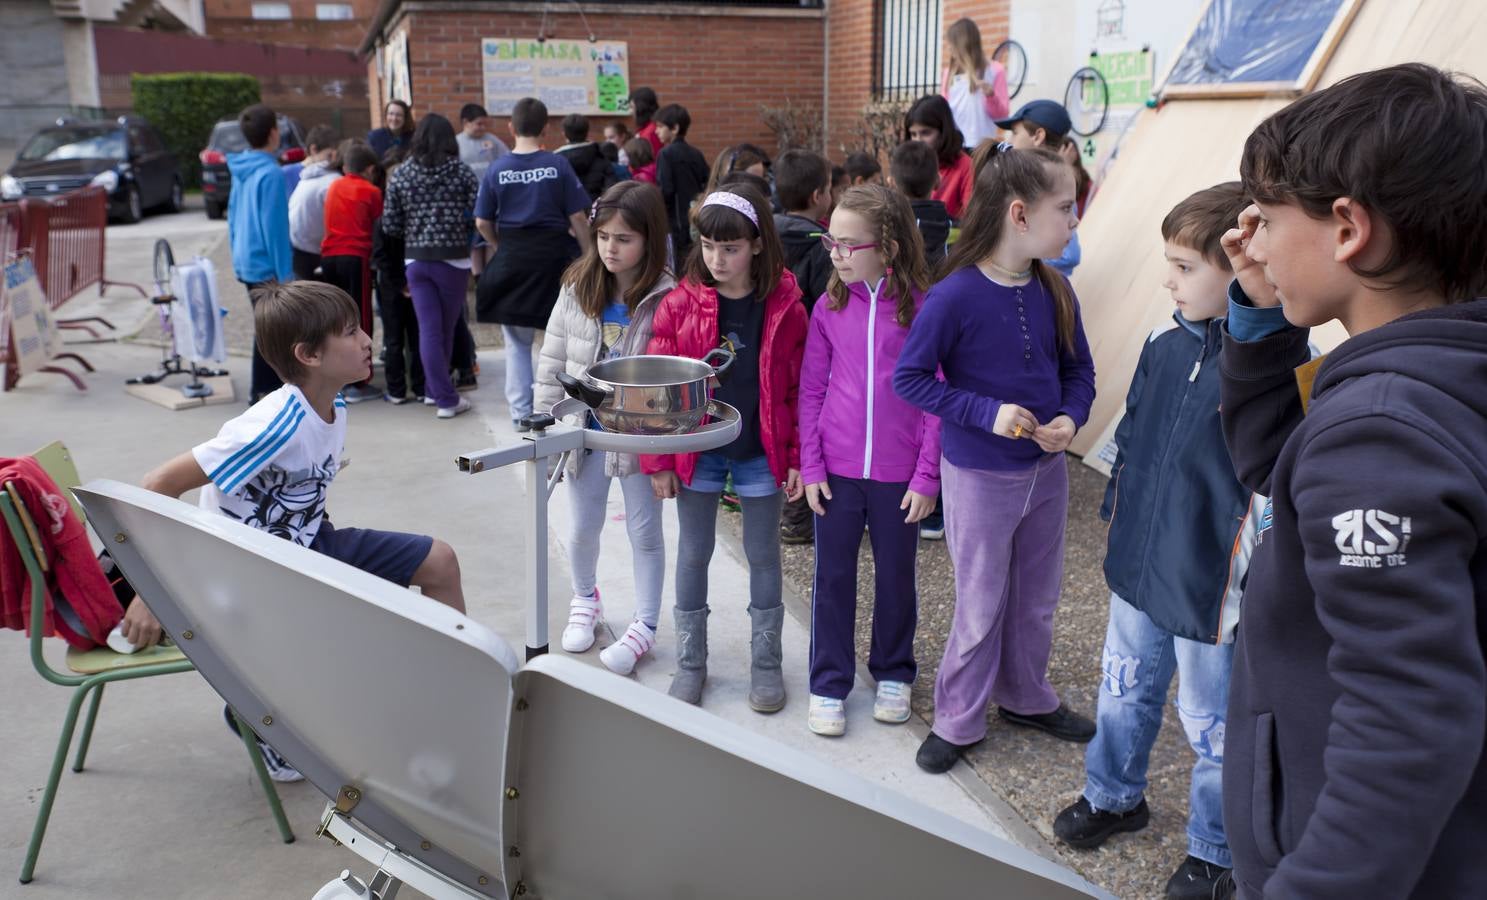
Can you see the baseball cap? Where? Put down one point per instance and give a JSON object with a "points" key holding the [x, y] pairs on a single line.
{"points": [[1046, 114]]}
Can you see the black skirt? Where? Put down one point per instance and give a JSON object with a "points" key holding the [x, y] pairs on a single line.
{"points": [[520, 286]]}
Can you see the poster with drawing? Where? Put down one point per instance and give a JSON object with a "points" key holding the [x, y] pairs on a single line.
{"points": [[397, 84], [569, 76], [26, 320]]}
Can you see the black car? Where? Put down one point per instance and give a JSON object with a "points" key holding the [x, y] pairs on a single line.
{"points": [[227, 137], [124, 156]]}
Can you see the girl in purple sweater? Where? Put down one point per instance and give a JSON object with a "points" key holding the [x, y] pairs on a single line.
{"points": [[866, 456], [1005, 330]]}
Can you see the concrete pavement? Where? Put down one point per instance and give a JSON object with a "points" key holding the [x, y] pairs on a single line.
{"points": [[168, 806]]}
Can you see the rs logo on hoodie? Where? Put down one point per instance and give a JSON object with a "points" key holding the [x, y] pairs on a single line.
{"points": [[1371, 538]]}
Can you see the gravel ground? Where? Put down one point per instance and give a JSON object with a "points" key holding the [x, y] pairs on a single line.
{"points": [[1036, 774]]}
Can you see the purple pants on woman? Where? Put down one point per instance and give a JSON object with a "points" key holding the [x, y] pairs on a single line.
{"points": [[1006, 535], [438, 291]]}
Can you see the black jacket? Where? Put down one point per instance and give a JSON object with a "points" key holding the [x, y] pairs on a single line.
{"points": [[595, 172], [1175, 509], [681, 173], [805, 255], [388, 262], [934, 226], [1358, 704]]}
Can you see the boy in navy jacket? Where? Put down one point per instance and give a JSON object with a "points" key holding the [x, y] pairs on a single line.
{"points": [[1359, 698], [1176, 556]]}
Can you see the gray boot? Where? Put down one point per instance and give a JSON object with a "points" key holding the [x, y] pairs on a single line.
{"points": [[766, 681], [691, 656]]}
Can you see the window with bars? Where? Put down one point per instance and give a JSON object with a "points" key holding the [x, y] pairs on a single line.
{"points": [[906, 51]]}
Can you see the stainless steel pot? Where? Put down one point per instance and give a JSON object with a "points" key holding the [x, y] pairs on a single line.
{"points": [[648, 394]]}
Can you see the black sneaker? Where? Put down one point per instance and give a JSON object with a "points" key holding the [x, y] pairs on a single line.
{"points": [[797, 533], [1083, 827], [932, 527], [937, 755], [1197, 879], [1224, 887], [1063, 723], [466, 381]]}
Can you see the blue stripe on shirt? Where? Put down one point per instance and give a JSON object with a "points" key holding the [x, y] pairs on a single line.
{"points": [[228, 471], [268, 453], [252, 446]]}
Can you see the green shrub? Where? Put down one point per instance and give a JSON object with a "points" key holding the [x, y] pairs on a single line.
{"points": [[183, 107]]}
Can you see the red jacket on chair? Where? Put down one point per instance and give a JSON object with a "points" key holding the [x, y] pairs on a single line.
{"points": [[76, 577], [686, 324]]}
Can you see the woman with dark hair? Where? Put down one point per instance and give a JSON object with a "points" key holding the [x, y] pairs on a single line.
{"points": [[644, 104], [397, 128], [430, 203], [930, 120]]}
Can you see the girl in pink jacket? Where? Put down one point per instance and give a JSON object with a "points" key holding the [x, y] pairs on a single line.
{"points": [[867, 457]]}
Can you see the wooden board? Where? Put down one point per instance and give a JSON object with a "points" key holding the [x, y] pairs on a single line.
{"points": [[1184, 147], [169, 394]]}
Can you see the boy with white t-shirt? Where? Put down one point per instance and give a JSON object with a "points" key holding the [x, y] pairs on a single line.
{"points": [[272, 466]]}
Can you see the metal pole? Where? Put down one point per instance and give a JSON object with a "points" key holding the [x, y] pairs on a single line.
{"points": [[537, 556]]}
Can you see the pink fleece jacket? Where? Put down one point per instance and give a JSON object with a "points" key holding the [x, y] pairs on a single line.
{"points": [[852, 424]]}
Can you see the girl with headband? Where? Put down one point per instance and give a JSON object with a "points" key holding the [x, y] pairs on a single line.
{"points": [[736, 293]]}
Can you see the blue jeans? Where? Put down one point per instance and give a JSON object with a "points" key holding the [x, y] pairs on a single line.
{"points": [[1138, 664], [751, 477], [519, 373]]}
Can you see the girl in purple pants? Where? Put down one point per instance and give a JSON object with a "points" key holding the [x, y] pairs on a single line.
{"points": [[1005, 331]]}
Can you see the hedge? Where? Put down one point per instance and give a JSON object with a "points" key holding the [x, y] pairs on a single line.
{"points": [[183, 107]]}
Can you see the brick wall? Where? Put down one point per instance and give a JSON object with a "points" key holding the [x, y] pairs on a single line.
{"points": [[234, 19], [721, 67]]}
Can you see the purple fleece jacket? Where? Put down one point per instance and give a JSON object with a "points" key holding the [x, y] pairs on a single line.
{"points": [[852, 424]]}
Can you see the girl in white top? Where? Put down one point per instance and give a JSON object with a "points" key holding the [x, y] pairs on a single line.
{"points": [[604, 310], [975, 87]]}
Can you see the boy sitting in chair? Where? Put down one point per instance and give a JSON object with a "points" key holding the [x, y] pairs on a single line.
{"points": [[272, 466]]}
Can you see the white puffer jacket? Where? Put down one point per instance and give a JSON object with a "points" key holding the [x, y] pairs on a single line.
{"points": [[307, 206], [572, 344]]}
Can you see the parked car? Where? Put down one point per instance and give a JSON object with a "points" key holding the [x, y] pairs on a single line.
{"points": [[227, 137], [124, 156]]}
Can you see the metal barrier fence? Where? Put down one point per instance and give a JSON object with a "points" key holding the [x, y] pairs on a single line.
{"points": [[65, 237], [10, 231]]}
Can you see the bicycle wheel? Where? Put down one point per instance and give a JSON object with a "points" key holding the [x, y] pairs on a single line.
{"points": [[165, 260], [1014, 59], [1087, 98]]}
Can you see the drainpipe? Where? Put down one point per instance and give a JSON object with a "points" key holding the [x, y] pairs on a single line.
{"points": [[826, 80]]}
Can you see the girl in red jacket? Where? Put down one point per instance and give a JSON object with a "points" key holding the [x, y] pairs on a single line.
{"points": [[737, 294]]}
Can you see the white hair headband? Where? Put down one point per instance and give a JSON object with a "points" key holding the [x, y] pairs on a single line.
{"points": [[735, 203]]}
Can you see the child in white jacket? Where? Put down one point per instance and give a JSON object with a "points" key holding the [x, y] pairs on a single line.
{"points": [[604, 310]]}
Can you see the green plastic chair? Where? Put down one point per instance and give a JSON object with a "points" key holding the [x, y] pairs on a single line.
{"points": [[90, 670]]}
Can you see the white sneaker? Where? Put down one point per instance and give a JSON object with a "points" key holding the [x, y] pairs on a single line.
{"points": [[827, 716], [621, 656], [430, 401], [892, 702], [449, 412], [585, 614]]}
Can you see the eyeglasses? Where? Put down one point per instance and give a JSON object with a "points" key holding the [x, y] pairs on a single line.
{"points": [[836, 247]]}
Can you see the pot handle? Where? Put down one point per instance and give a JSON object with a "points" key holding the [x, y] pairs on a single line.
{"points": [[727, 356], [590, 395]]}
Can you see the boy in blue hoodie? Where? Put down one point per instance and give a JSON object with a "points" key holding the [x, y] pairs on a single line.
{"points": [[1177, 549], [258, 222], [1358, 705]]}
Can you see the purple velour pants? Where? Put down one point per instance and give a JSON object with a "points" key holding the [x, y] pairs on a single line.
{"points": [[438, 291], [1006, 536]]}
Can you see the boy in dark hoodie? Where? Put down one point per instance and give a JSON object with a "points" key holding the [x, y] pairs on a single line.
{"points": [[1358, 702], [258, 222], [802, 181], [915, 171], [681, 173], [594, 170]]}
